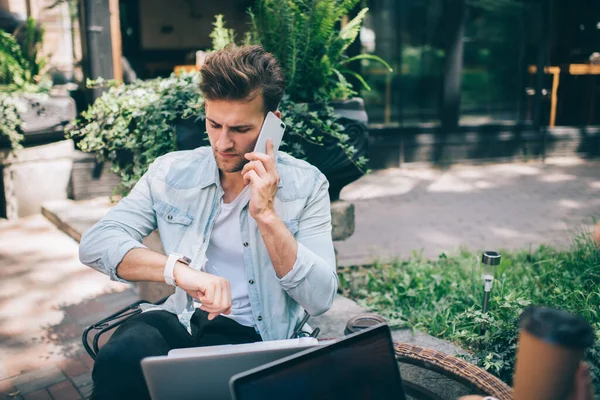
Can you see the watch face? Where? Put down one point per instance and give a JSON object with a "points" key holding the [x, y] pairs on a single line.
{"points": [[185, 260]]}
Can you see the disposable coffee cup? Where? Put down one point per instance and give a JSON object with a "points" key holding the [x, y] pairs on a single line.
{"points": [[551, 346]]}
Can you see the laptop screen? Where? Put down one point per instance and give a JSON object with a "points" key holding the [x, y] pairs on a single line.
{"points": [[362, 366]]}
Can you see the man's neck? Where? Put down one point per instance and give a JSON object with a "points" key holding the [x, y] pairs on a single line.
{"points": [[232, 184]]}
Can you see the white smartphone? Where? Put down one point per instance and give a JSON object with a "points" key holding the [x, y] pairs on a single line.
{"points": [[273, 129]]}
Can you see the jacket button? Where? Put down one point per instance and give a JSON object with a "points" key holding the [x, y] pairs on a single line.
{"points": [[245, 244], [251, 281], [169, 217], [259, 318]]}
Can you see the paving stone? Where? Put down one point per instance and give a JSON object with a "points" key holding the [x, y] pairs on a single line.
{"points": [[82, 380], [40, 378], [73, 367], [86, 391], [3, 371], [87, 313], [83, 383], [64, 391], [87, 360], [41, 394], [7, 390]]}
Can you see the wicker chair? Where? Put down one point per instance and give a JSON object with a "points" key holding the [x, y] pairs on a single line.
{"points": [[474, 379]]}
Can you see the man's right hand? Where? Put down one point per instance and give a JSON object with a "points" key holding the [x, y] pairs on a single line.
{"points": [[213, 292]]}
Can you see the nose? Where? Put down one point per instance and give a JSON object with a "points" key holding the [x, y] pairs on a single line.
{"points": [[224, 143]]}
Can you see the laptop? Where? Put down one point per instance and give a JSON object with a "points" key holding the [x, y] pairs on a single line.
{"points": [[204, 372], [360, 366], [240, 348]]}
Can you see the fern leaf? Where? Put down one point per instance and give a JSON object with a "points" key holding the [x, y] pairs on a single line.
{"points": [[352, 28], [368, 57]]}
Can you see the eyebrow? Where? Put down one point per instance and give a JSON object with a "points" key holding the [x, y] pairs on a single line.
{"points": [[232, 127]]}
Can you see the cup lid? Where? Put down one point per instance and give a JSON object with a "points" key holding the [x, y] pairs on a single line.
{"points": [[558, 327]]}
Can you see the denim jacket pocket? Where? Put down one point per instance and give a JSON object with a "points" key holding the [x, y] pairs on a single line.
{"points": [[171, 214], [172, 225]]}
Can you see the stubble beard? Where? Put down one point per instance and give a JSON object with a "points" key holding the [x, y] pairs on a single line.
{"points": [[234, 165]]}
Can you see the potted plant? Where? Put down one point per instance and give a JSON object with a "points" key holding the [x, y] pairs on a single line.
{"points": [[30, 114], [327, 124]]}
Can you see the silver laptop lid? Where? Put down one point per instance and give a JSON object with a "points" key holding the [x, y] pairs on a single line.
{"points": [[360, 366]]}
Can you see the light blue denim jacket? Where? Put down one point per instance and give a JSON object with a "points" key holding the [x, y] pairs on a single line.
{"points": [[180, 196]]}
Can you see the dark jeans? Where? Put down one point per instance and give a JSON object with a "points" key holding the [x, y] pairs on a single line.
{"points": [[117, 371]]}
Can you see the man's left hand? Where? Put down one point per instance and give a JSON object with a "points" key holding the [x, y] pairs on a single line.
{"points": [[262, 173]]}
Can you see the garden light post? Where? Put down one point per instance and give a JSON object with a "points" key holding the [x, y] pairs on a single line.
{"points": [[490, 260]]}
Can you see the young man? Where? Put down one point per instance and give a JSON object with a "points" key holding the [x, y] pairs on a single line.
{"points": [[247, 236]]}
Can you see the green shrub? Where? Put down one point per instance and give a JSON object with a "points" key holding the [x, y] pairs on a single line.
{"points": [[21, 65], [21, 75], [444, 297], [131, 125], [11, 122]]}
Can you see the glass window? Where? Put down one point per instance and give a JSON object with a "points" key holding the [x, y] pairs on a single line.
{"points": [[407, 35], [497, 53]]}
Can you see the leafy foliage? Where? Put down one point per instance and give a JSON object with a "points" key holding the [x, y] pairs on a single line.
{"points": [[306, 39], [21, 65], [220, 35], [131, 125], [444, 297], [21, 74], [9, 115]]}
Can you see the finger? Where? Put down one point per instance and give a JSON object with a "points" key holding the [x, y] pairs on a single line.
{"points": [[218, 305], [260, 169], [270, 148], [257, 166], [226, 297], [582, 389], [212, 315], [209, 295], [208, 309], [265, 158], [251, 177], [197, 295]]}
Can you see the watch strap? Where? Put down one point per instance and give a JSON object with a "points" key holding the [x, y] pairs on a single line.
{"points": [[170, 266]]}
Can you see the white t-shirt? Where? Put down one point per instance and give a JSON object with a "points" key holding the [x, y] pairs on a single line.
{"points": [[225, 257]]}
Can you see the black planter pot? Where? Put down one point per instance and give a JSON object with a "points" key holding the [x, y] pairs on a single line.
{"points": [[330, 158]]}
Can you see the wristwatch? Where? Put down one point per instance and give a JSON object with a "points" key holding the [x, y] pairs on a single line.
{"points": [[170, 265]]}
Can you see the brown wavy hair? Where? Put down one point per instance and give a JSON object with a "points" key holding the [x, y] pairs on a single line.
{"points": [[241, 73]]}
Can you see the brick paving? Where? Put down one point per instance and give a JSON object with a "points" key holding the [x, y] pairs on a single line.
{"points": [[47, 298]]}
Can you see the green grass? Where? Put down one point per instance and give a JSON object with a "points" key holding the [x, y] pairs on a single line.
{"points": [[444, 297]]}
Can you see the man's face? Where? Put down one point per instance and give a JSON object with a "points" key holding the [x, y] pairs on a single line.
{"points": [[233, 127]]}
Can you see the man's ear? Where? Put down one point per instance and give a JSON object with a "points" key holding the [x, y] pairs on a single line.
{"points": [[277, 113]]}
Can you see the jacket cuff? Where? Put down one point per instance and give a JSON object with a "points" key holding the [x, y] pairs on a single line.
{"points": [[113, 257], [302, 267]]}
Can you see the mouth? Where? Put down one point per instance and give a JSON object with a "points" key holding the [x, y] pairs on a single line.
{"points": [[227, 155]]}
